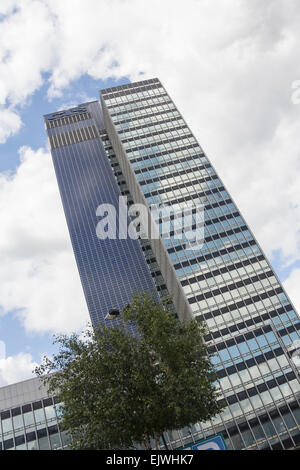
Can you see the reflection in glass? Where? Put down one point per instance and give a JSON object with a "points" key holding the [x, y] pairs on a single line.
{"points": [[7, 425], [44, 443], [39, 415], [28, 418]]}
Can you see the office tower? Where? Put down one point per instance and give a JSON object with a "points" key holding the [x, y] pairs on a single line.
{"points": [[110, 270], [226, 283], [29, 418]]}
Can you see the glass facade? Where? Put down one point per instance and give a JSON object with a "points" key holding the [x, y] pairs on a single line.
{"points": [[158, 279], [228, 283], [29, 418], [137, 144], [113, 269]]}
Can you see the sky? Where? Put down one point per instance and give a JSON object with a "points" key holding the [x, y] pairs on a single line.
{"points": [[233, 70]]}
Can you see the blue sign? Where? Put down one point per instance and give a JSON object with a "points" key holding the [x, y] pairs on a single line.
{"points": [[212, 443]]}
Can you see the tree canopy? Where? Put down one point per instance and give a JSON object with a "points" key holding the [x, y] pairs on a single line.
{"points": [[118, 388]]}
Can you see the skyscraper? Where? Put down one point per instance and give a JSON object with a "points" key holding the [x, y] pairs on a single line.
{"points": [[227, 283], [110, 271]]}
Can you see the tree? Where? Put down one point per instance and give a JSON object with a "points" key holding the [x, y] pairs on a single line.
{"points": [[119, 388]]}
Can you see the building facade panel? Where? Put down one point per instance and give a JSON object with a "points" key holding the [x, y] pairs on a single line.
{"points": [[228, 283], [29, 418]]}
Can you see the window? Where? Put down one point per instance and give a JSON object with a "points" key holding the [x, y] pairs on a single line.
{"points": [[246, 405], [254, 371], [8, 444], [235, 380], [276, 393], [44, 443], [289, 420], [266, 397], [7, 425], [256, 401], [296, 413], [20, 440], [237, 442], [258, 432], [264, 369], [252, 344], [65, 438], [295, 386], [224, 355], [32, 445], [271, 337], [243, 348], [279, 425], [248, 437], [50, 412], [28, 418], [215, 359], [225, 384], [244, 374], [234, 351], [226, 415], [55, 441], [269, 429], [285, 389], [236, 409], [39, 415], [18, 422], [261, 341]]}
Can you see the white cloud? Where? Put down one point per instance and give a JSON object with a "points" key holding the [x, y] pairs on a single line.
{"points": [[10, 123], [28, 48], [38, 274], [16, 368]]}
